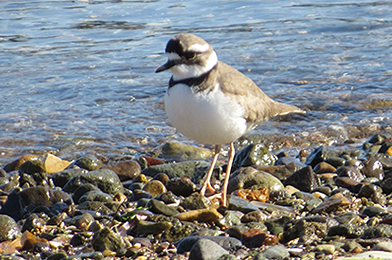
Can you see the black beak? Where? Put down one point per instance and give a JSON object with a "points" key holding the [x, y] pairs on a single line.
{"points": [[166, 66]]}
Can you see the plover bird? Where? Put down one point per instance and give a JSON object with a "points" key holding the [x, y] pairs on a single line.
{"points": [[212, 102]]}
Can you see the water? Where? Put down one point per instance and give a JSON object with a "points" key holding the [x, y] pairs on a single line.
{"points": [[78, 76]]}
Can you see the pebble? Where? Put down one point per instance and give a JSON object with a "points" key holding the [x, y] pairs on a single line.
{"points": [[206, 249], [335, 205]]}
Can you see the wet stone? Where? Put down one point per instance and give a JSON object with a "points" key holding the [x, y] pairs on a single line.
{"points": [[180, 152], [196, 201], [181, 186], [9, 230], [126, 170], [373, 211], [201, 215], [33, 223], [319, 155], [89, 162], [237, 203], [107, 239], [158, 207], [257, 237], [254, 216], [162, 177], [304, 179], [351, 172], [254, 154], [94, 206], [168, 198], [106, 180], [155, 188], [334, 202], [324, 167], [61, 178], [14, 166], [140, 194], [182, 169], [348, 184], [32, 166], [372, 192], [373, 168], [144, 228], [83, 189], [381, 230], [250, 178], [96, 195], [347, 230]]}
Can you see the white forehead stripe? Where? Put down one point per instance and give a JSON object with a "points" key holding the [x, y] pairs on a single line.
{"points": [[173, 56], [199, 47]]}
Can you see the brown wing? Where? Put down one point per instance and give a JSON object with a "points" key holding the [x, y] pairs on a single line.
{"points": [[258, 105]]}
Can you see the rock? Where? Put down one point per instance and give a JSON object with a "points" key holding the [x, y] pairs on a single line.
{"points": [[182, 169], [372, 192], [196, 201], [9, 230], [337, 200], [14, 166], [206, 249], [304, 179], [155, 188], [106, 239], [254, 216], [181, 186], [237, 203], [181, 152], [386, 185], [278, 252], [308, 231], [32, 166], [158, 207], [162, 177], [250, 178], [382, 230], [325, 248], [201, 215], [347, 230], [106, 180], [373, 168], [383, 246], [319, 155], [324, 167], [373, 211], [95, 195], [80, 221], [33, 224], [89, 162], [95, 206], [169, 198], [54, 164], [230, 219], [351, 172], [228, 243], [254, 154], [126, 170], [144, 228], [83, 189], [61, 178], [257, 238]]}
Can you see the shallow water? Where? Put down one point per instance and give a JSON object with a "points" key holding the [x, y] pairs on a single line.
{"points": [[78, 76]]}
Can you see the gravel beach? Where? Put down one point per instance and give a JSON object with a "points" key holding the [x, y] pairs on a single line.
{"points": [[325, 202]]}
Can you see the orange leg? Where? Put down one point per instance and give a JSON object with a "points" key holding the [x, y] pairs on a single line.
{"points": [[207, 184], [228, 170]]}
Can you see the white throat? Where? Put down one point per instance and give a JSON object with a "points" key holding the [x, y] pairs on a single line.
{"points": [[184, 71]]}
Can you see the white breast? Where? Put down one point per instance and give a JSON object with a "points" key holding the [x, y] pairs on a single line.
{"points": [[207, 117]]}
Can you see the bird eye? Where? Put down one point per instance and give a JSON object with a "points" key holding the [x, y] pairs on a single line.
{"points": [[190, 55]]}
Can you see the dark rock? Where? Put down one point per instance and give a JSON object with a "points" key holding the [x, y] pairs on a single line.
{"points": [[324, 167], [382, 230], [304, 179], [347, 230], [162, 177], [319, 155], [82, 189], [256, 238], [373, 168], [351, 172], [182, 169], [106, 180], [61, 178], [168, 198], [372, 192], [181, 186], [195, 201], [335, 161], [33, 223], [254, 154], [32, 166], [373, 211], [158, 207], [307, 231], [145, 228], [96, 195], [155, 188], [348, 183], [9, 230], [386, 185], [89, 162], [107, 239], [141, 194], [94, 206]]}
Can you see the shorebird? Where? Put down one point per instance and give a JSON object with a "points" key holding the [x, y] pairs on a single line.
{"points": [[212, 102]]}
